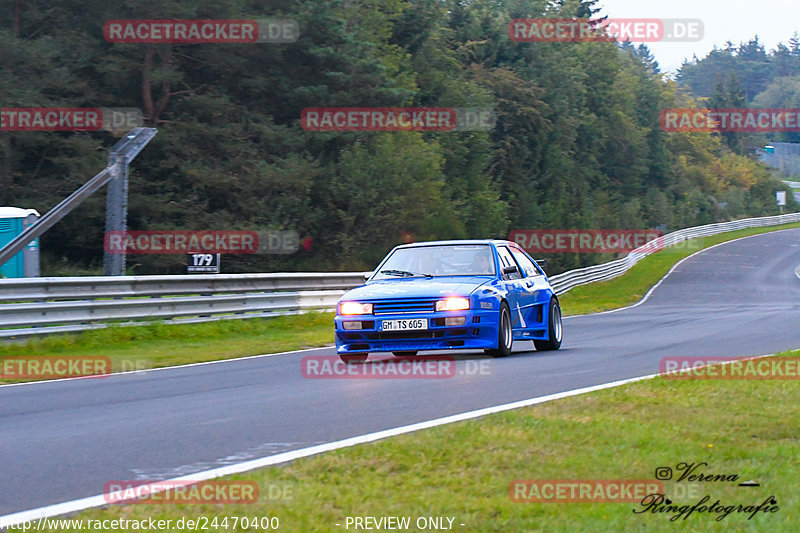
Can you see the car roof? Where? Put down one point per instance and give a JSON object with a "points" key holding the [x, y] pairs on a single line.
{"points": [[456, 242]]}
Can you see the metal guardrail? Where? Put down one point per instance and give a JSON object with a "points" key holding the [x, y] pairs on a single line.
{"points": [[35, 306], [96, 287]]}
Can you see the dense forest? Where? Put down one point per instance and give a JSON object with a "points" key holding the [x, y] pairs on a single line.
{"points": [[576, 144]]}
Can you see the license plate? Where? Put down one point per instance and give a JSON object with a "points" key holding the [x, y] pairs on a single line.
{"points": [[405, 324]]}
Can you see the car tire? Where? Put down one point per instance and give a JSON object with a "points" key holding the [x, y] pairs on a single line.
{"points": [[555, 329], [505, 336], [350, 358], [409, 353]]}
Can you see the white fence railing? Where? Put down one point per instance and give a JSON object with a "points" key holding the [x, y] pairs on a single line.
{"points": [[35, 306]]}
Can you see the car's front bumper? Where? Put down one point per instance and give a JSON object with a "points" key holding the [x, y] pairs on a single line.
{"points": [[480, 331]]}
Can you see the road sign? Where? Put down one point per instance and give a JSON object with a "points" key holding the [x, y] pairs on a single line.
{"points": [[203, 264]]}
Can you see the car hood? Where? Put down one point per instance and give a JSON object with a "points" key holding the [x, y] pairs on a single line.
{"points": [[417, 288]]}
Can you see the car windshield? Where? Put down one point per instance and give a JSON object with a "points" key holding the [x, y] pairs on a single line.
{"points": [[438, 261]]}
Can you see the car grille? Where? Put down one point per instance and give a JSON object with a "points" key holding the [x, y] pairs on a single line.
{"points": [[403, 306], [415, 334], [407, 335]]}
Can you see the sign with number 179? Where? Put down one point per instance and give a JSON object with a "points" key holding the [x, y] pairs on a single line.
{"points": [[203, 263]]}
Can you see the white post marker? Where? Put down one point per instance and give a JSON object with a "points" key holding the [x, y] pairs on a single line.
{"points": [[780, 196]]}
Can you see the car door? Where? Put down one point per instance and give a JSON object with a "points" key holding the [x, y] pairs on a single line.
{"points": [[519, 296], [535, 283]]}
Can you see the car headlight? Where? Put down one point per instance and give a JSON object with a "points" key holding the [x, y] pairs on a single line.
{"points": [[452, 304], [355, 308]]}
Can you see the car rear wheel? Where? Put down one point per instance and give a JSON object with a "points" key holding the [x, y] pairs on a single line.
{"points": [[350, 358], [409, 353], [505, 337], [554, 329]]}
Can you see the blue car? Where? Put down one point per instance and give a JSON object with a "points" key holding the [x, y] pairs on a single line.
{"points": [[444, 295]]}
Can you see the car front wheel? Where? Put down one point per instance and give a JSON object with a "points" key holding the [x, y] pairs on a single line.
{"points": [[554, 329], [505, 337]]}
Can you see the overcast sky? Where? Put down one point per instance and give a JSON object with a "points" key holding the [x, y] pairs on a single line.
{"points": [[773, 21]]}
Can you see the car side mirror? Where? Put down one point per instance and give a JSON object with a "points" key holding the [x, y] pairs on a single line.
{"points": [[368, 275], [510, 269]]}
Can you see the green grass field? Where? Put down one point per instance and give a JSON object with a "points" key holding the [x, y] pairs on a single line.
{"points": [[160, 345]]}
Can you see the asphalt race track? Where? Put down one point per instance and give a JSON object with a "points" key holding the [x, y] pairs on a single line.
{"points": [[64, 440]]}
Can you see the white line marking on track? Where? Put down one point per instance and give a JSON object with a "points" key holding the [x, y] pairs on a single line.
{"points": [[101, 499], [144, 370]]}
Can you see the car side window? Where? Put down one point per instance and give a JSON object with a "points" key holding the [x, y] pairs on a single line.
{"points": [[528, 268], [507, 260]]}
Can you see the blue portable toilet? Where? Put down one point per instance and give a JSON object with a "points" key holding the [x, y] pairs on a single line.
{"points": [[13, 221]]}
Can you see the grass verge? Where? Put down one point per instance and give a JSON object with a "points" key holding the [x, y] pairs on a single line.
{"points": [[463, 470], [158, 345]]}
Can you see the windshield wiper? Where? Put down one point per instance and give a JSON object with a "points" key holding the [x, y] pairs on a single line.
{"points": [[404, 273]]}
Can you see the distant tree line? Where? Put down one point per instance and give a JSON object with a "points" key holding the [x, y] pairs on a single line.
{"points": [[748, 75], [577, 141]]}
